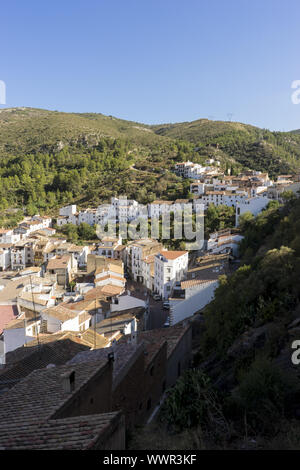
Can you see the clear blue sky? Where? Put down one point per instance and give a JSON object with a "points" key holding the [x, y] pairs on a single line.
{"points": [[154, 61]]}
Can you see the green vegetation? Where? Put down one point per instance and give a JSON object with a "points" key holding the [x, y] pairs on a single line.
{"points": [[247, 146], [49, 158], [244, 380], [77, 233]]}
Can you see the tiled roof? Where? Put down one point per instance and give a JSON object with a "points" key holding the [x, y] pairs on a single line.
{"points": [[6, 245], [124, 352], [40, 395], [76, 433], [15, 323], [61, 313], [114, 267], [110, 276], [153, 339], [160, 201], [94, 339], [116, 320], [172, 254], [95, 293], [134, 311], [37, 357], [112, 290], [38, 298], [7, 314], [149, 259], [195, 282], [58, 262]]}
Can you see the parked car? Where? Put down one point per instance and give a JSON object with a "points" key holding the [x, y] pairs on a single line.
{"points": [[166, 305], [156, 297], [167, 323]]}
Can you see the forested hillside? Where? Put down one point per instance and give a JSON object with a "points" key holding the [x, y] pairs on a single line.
{"points": [[244, 391], [49, 158], [248, 145]]}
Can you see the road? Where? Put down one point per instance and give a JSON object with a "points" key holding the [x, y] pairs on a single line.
{"points": [[157, 315]]}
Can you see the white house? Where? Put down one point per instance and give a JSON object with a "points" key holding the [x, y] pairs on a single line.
{"points": [[107, 246], [60, 318], [254, 205], [159, 207], [5, 258], [68, 210], [169, 267], [125, 302], [8, 236], [138, 251], [224, 241], [19, 332], [197, 188], [195, 295]]}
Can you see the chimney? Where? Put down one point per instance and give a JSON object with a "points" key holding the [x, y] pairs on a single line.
{"points": [[68, 381]]}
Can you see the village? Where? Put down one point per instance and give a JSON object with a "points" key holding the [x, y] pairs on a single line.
{"points": [[105, 328]]}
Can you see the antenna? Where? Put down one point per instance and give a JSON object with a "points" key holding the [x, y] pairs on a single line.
{"points": [[34, 310], [229, 115], [95, 317]]}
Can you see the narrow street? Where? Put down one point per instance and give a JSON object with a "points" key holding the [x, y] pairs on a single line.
{"points": [[158, 315]]}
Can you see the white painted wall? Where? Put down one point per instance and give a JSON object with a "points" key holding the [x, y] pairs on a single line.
{"points": [[197, 299], [126, 302]]}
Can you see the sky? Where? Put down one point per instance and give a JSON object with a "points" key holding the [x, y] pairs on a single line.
{"points": [[154, 61]]}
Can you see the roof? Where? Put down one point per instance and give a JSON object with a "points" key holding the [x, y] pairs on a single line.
{"points": [[124, 352], [7, 314], [112, 290], [120, 248], [94, 339], [110, 267], [40, 395], [149, 259], [60, 262], [118, 319], [172, 254], [110, 276], [56, 352], [44, 338], [61, 313], [154, 339], [195, 282], [134, 311], [160, 201], [37, 298], [6, 245], [75, 433], [95, 293], [16, 323]]}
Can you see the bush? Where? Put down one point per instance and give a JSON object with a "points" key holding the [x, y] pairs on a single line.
{"points": [[192, 402]]}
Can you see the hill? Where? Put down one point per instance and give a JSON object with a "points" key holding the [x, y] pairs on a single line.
{"points": [[244, 385], [27, 130], [247, 145], [49, 158]]}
